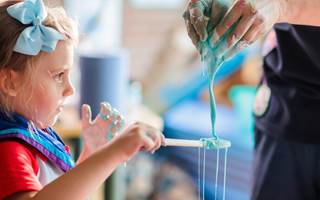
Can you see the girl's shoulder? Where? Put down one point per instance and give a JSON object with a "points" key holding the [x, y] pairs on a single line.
{"points": [[15, 152], [19, 169]]}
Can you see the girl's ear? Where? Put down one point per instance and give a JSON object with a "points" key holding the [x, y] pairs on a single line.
{"points": [[9, 82]]}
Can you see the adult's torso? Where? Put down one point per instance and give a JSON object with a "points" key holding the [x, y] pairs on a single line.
{"points": [[292, 72]]}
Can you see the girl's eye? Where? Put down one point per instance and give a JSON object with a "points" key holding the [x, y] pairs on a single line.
{"points": [[59, 77]]}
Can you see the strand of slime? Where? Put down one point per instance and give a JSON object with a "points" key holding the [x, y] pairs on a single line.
{"points": [[212, 57], [204, 173], [225, 174], [212, 61], [199, 173], [217, 175], [212, 64]]}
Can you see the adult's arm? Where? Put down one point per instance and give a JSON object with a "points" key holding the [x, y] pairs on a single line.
{"points": [[304, 12]]}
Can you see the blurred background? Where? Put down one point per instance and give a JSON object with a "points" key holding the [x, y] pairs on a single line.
{"points": [[136, 55]]}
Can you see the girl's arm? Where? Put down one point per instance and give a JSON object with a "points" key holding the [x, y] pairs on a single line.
{"points": [[85, 153], [85, 178]]}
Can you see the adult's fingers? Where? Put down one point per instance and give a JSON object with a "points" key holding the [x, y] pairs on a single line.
{"points": [[218, 10], [199, 20], [231, 17], [235, 49], [242, 28], [254, 32], [247, 20], [192, 33]]}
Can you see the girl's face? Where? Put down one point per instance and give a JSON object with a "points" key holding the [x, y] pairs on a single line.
{"points": [[43, 98]]}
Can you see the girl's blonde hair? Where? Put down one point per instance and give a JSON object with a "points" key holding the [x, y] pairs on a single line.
{"points": [[10, 30]]}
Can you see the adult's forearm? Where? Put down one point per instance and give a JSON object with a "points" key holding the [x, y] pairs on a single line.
{"points": [[304, 12]]}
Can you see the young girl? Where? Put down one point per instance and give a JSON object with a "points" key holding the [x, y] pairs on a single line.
{"points": [[36, 49]]}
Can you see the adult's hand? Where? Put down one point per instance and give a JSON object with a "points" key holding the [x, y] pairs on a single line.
{"points": [[242, 22], [201, 16], [250, 19]]}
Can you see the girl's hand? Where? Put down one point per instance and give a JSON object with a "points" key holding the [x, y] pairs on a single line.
{"points": [[139, 137], [104, 127]]}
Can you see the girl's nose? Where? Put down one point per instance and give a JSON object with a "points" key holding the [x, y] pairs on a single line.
{"points": [[69, 90]]}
